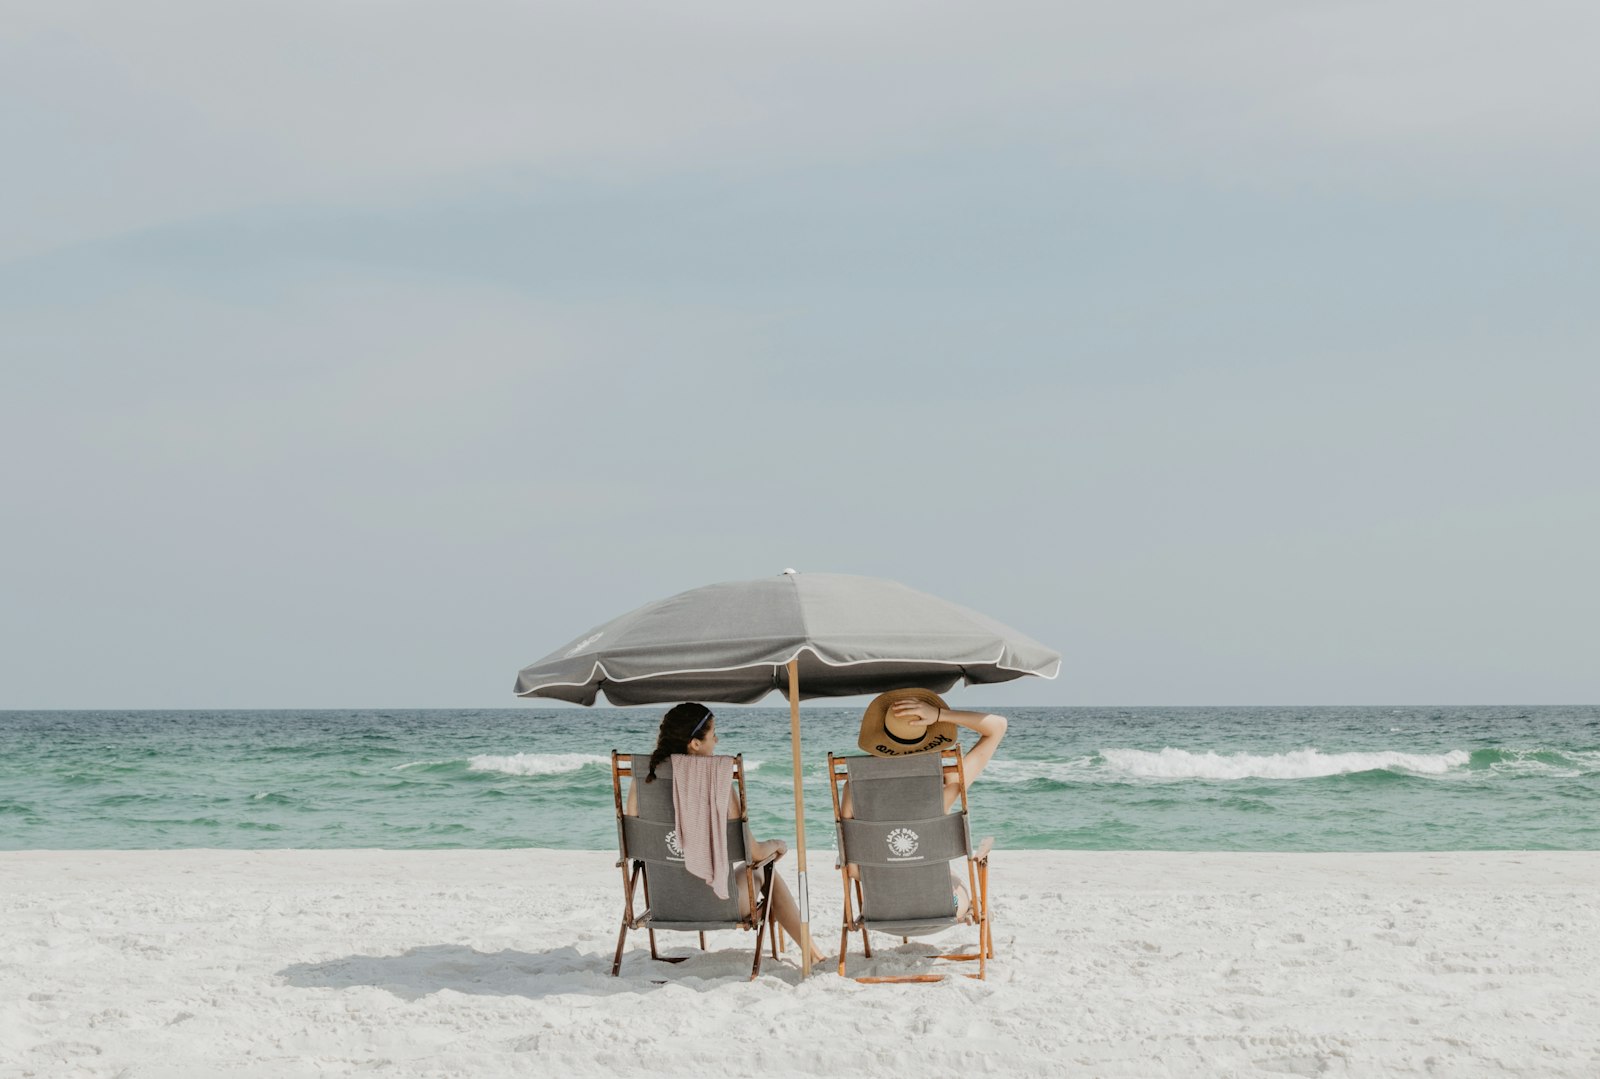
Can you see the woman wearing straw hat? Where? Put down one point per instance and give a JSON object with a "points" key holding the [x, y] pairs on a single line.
{"points": [[905, 721]]}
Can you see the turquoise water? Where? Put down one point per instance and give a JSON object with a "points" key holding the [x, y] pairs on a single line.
{"points": [[1285, 779]]}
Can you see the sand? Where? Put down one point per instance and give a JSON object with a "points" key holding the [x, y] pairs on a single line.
{"points": [[466, 963]]}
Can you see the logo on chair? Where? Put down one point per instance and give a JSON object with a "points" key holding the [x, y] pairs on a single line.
{"points": [[674, 846], [903, 842]]}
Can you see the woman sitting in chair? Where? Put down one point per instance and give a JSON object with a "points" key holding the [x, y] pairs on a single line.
{"points": [[907, 721], [692, 729]]}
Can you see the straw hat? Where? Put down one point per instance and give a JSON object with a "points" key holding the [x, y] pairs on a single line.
{"points": [[883, 735]]}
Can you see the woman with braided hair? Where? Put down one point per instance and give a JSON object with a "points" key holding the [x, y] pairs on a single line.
{"points": [[691, 729]]}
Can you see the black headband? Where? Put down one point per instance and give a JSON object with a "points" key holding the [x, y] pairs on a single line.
{"points": [[703, 721]]}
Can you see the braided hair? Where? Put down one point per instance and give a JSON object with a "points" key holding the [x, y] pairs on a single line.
{"points": [[680, 726]]}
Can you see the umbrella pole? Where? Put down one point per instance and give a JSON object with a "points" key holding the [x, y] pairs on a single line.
{"points": [[800, 896]]}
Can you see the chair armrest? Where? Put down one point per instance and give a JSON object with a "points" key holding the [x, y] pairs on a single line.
{"points": [[768, 860], [984, 848]]}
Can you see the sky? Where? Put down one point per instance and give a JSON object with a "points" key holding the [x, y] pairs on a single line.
{"points": [[359, 354]]}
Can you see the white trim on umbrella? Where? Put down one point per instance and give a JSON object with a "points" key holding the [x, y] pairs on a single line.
{"points": [[600, 668]]}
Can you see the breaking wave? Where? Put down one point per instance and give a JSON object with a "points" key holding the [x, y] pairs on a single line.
{"points": [[523, 764], [1299, 764], [535, 764], [1543, 763]]}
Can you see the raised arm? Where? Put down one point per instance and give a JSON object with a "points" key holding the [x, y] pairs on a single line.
{"points": [[991, 731]]}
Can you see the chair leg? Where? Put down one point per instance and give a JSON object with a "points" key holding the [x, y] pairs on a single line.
{"points": [[866, 944], [766, 918], [622, 937], [629, 883], [702, 942], [774, 930], [658, 957], [988, 915], [983, 949]]}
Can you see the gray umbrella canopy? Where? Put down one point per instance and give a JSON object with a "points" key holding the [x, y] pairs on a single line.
{"points": [[733, 642]]}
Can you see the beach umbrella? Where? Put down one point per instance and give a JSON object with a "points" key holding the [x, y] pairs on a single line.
{"points": [[802, 634]]}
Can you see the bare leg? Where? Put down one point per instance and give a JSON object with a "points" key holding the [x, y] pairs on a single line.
{"points": [[963, 900], [788, 914], [784, 909]]}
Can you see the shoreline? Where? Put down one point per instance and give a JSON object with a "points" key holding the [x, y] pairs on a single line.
{"points": [[158, 963]]}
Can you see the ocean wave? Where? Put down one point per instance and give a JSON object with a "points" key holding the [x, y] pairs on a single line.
{"points": [[1548, 763], [272, 798], [535, 764], [525, 764], [1300, 764]]}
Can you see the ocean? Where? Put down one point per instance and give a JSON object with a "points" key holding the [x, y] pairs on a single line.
{"points": [[1246, 779]]}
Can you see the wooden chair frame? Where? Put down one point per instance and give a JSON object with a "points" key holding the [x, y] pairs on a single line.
{"points": [[634, 874], [977, 882]]}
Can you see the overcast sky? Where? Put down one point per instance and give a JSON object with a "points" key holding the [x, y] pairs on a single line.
{"points": [[359, 354]]}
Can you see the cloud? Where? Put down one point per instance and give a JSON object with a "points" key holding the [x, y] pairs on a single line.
{"points": [[120, 117], [354, 351]]}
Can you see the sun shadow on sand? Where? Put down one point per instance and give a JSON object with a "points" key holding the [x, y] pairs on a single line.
{"points": [[429, 969]]}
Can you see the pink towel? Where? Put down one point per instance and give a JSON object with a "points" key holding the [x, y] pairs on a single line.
{"points": [[700, 806]]}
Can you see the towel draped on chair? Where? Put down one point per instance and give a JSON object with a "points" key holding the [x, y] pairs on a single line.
{"points": [[700, 805]]}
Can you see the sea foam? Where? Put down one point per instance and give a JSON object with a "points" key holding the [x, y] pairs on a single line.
{"points": [[1299, 764], [535, 764], [1550, 763], [542, 764]]}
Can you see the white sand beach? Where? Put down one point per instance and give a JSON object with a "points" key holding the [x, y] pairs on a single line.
{"points": [[144, 964]]}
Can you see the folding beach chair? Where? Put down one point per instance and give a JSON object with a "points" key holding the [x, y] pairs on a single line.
{"points": [[902, 842], [674, 898]]}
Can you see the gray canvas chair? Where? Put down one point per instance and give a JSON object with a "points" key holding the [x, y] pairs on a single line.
{"points": [[674, 898], [901, 841]]}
